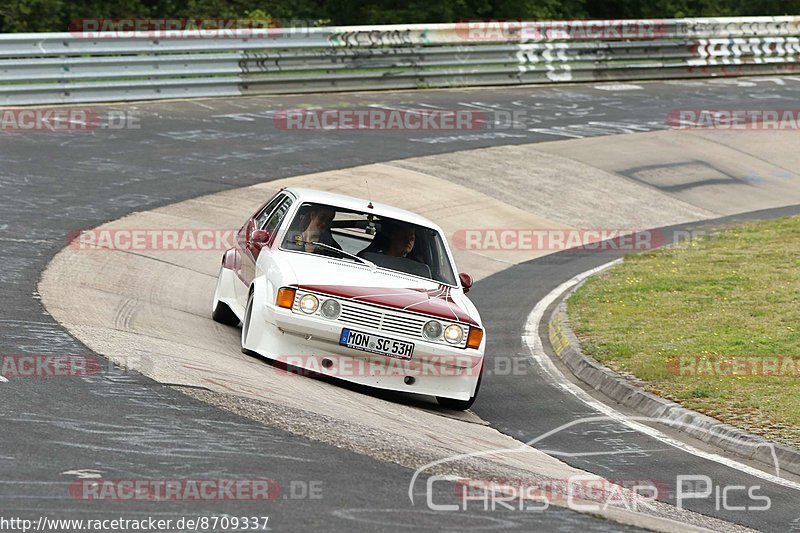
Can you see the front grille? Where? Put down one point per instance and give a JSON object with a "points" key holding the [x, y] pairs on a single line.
{"points": [[362, 317], [385, 320], [402, 324]]}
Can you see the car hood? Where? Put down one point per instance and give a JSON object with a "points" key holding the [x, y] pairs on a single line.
{"points": [[358, 282]]}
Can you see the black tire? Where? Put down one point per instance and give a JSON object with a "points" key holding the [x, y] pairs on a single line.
{"points": [[248, 311], [223, 314], [461, 405]]}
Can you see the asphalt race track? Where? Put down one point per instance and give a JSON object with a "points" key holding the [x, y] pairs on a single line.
{"points": [[127, 426]]}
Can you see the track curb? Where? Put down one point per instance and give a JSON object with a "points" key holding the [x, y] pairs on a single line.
{"points": [[567, 348]]}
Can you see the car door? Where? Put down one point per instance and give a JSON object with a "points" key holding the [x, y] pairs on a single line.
{"points": [[243, 237], [270, 224]]}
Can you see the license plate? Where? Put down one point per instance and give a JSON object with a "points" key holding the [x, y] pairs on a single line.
{"points": [[375, 344]]}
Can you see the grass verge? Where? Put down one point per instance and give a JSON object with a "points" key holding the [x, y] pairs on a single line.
{"points": [[713, 324]]}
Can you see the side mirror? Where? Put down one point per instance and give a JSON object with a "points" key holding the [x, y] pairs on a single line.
{"points": [[466, 281], [259, 238]]}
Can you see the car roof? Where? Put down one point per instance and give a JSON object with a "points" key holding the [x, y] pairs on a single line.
{"points": [[359, 204]]}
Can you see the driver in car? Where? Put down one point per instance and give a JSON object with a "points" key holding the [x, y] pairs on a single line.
{"points": [[397, 241], [394, 249], [401, 241]]}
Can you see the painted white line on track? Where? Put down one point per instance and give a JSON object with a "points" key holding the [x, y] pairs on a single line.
{"points": [[531, 339], [619, 87], [85, 473]]}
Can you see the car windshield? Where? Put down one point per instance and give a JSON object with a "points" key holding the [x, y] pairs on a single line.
{"points": [[388, 243]]}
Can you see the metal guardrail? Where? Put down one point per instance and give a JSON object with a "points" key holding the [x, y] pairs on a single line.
{"points": [[49, 68]]}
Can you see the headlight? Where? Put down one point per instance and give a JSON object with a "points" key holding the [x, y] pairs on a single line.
{"points": [[432, 330], [330, 309], [309, 304], [453, 334]]}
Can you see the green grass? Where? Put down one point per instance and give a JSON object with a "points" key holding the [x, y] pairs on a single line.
{"points": [[731, 299]]}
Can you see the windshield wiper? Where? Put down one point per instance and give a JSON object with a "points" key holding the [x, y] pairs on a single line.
{"points": [[338, 250]]}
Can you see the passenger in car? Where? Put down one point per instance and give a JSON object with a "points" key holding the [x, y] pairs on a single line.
{"points": [[314, 225], [319, 226]]}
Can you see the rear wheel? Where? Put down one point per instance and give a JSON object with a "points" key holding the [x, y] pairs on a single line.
{"points": [[224, 315], [222, 312], [461, 405]]}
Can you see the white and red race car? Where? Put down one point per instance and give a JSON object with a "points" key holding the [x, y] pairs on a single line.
{"points": [[359, 291]]}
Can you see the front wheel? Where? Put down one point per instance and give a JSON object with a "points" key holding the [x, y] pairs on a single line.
{"points": [[248, 312], [461, 405]]}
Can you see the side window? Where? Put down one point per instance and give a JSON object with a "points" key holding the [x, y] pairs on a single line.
{"points": [[440, 264], [274, 221], [262, 217]]}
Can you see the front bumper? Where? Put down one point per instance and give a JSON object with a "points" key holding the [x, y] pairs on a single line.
{"points": [[312, 343]]}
